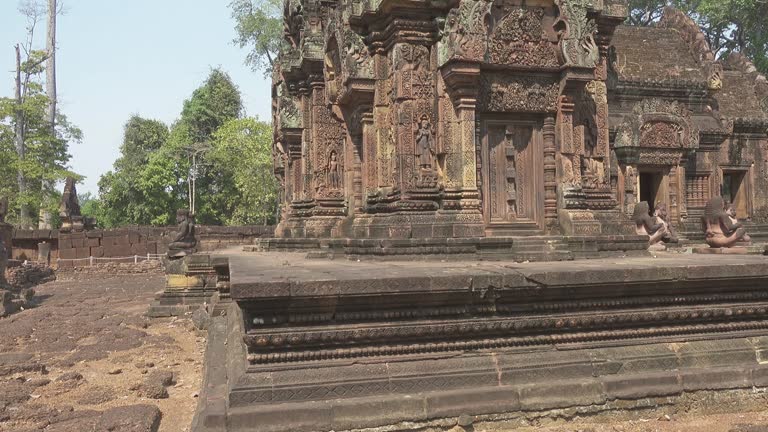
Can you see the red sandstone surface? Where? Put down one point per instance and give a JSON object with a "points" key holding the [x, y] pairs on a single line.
{"points": [[87, 359]]}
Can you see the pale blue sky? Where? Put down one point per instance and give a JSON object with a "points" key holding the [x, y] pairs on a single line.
{"points": [[117, 58]]}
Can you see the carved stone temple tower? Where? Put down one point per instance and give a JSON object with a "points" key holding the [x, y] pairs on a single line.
{"points": [[482, 118]]}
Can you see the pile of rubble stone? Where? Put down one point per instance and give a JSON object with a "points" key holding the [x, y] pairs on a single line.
{"points": [[117, 268], [12, 300], [25, 275], [16, 291]]}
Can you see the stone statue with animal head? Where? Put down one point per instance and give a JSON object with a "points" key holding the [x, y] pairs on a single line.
{"points": [[654, 228], [719, 228]]}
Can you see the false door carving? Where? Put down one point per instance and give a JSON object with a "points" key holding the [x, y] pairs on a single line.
{"points": [[513, 172]]}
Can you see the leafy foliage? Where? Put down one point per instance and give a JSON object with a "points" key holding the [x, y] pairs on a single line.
{"points": [[213, 104], [729, 25], [234, 180], [242, 153], [124, 198], [259, 27], [46, 152]]}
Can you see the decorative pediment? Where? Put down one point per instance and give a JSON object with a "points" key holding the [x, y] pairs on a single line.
{"points": [[545, 35], [286, 110], [466, 31], [577, 33], [657, 132], [348, 65]]}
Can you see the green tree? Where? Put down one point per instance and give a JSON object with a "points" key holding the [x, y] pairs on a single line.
{"points": [[259, 27], [126, 198], [44, 154], [645, 12], [242, 155], [215, 103], [736, 26], [150, 180], [89, 205], [729, 25]]}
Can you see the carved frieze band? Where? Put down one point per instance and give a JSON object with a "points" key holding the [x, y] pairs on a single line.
{"points": [[510, 342]]}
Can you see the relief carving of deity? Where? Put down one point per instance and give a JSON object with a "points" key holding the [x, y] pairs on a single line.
{"points": [[333, 174], [425, 144]]}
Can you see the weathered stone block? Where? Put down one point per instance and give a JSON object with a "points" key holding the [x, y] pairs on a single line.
{"points": [[373, 412], [134, 237], [121, 240], [716, 379], [303, 417], [544, 396], [180, 282], [760, 375], [68, 253], [64, 243], [639, 386], [477, 401]]}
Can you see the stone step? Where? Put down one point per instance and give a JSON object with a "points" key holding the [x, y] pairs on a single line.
{"points": [[532, 256]]}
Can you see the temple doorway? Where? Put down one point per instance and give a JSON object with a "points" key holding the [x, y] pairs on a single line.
{"points": [[734, 190], [513, 176], [651, 187]]}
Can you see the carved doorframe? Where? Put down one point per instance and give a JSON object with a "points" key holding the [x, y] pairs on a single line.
{"points": [[534, 173], [746, 172]]}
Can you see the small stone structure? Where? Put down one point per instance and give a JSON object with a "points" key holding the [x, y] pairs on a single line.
{"points": [[184, 242], [17, 293], [191, 282], [69, 210]]}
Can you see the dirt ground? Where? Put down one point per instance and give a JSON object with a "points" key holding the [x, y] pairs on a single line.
{"points": [[87, 359], [744, 422]]}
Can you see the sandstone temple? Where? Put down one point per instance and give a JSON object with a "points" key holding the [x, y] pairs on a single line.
{"points": [[495, 118]]}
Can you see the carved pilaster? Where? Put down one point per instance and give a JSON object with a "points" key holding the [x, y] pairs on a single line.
{"points": [[305, 191], [462, 85], [370, 153], [550, 173], [568, 158]]}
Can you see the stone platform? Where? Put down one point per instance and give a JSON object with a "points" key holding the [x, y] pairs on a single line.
{"points": [[517, 248], [319, 345]]}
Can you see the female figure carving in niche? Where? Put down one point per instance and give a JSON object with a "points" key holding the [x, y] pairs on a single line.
{"points": [[333, 178], [425, 144]]}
